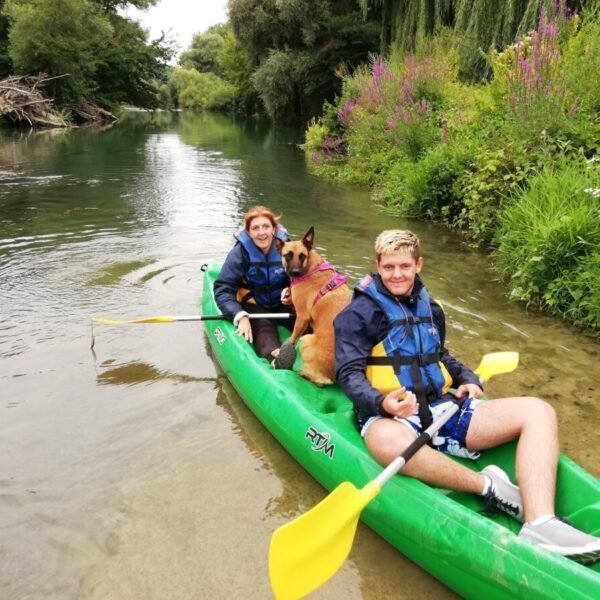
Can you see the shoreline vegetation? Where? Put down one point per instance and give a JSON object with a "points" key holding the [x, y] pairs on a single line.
{"points": [[482, 115], [512, 162], [65, 62]]}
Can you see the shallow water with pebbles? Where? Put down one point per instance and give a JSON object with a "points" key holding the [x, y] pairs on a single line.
{"points": [[133, 469]]}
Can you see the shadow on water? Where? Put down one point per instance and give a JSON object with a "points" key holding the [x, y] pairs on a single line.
{"points": [[113, 273], [135, 373]]}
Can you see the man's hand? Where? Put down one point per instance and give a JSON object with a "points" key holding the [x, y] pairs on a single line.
{"points": [[401, 403], [469, 390]]}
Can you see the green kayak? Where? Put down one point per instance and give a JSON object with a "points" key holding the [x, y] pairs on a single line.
{"points": [[443, 532]]}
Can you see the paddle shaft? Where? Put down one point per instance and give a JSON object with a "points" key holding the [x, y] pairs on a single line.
{"points": [[174, 319], [425, 437], [223, 317]]}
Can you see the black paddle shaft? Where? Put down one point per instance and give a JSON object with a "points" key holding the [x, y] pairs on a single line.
{"points": [[423, 439], [428, 434]]}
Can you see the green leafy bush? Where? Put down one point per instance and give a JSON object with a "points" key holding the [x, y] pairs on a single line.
{"points": [[549, 239], [576, 295], [427, 188], [582, 58], [485, 189], [315, 135]]}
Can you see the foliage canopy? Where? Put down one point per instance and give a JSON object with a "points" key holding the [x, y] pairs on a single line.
{"points": [[296, 48], [96, 52]]}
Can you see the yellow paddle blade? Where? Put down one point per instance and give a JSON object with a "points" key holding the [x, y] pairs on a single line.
{"points": [[307, 551], [496, 363], [147, 320]]}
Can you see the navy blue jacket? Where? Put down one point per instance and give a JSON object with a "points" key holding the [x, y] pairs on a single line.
{"points": [[360, 327], [230, 280]]}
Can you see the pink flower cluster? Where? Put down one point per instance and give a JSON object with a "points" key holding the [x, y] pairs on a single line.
{"points": [[536, 82], [400, 95]]}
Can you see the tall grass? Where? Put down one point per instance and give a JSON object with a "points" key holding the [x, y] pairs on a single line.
{"points": [[549, 242]]}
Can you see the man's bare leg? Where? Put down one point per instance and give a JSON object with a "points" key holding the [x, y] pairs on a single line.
{"points": [[493, 423], [533, 422], [386, 439]]}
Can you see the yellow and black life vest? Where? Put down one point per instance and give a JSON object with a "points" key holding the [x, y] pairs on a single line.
{"points": [[409, 355]]}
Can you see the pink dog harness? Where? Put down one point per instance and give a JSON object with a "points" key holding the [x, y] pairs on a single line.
{"points": [[336, 280]]}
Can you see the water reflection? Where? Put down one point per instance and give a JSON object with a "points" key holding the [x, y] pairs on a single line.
{"points": [[134, 373]]}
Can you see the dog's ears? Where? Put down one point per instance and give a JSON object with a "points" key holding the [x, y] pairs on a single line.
{"points": [[279, 244], [309, 238]]}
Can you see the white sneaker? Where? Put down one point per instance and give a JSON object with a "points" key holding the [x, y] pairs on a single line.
{"points": [[502, 495], [557, 535]]}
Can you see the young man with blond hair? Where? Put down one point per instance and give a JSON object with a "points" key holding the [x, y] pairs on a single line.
{"points": [[392, 362]]}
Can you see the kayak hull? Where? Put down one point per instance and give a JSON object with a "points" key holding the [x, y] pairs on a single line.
{"points": [[441, 531]]}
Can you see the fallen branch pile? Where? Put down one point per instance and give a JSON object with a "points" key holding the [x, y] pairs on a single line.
{"points": [[21, 100], [89, 111]]}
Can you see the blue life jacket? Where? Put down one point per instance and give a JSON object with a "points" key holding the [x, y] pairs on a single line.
{"points": [[265, 275], [409, 355]]}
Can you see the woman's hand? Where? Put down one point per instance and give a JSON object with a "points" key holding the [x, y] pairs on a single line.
{"points": [[244, 328], [286, 296], [469, 390], [401, 403]]}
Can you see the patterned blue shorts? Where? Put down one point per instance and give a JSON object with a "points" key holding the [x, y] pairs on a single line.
{"points": [[451, 438]]}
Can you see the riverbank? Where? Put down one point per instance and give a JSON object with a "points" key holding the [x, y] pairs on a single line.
{"points": [[512, 163]]}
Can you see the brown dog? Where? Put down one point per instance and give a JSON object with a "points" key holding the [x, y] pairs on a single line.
{"points": [[318, 294]]}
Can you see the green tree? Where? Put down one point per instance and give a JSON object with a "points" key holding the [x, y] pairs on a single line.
{"points": [[58, 37], [114, 5], [482, 25], [5, 61], [297, 46], [204, 52], [129, 68], [107, 57], [200, 91], [235, 64], [255, 25]]}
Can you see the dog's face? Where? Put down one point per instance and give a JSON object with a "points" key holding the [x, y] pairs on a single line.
{"points": [[294, 255]]}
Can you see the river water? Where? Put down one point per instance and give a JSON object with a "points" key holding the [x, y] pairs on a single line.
{"points": [[134, 470]]}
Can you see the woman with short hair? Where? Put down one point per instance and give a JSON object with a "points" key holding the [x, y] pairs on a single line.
{"points": [[253, 280]]}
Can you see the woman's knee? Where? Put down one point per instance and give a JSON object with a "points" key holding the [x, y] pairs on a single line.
{"points": [[266, 338]]}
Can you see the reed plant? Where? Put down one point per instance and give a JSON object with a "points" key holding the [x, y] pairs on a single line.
{"points": [[387, 112], [533, 76]]}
